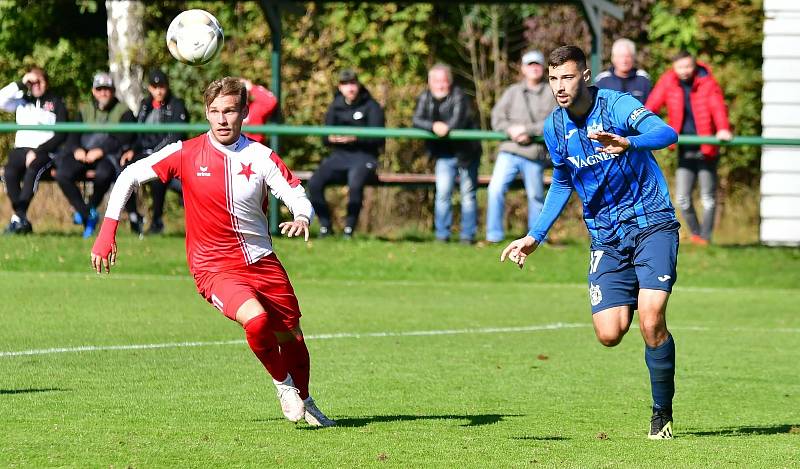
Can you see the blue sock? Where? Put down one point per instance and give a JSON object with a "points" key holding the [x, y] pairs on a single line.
{"points": [[661, 364]]}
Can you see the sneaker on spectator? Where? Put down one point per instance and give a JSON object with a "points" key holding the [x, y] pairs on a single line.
{"points": [[698, 240], [13, 226], [156, 227], [347, 232], [77, 219], [91, 223], [25, 227], [137, 223], [324, 231]]}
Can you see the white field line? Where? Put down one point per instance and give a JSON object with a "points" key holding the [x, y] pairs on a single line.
{"points": [[362, 335], [340, 335], [392, 282]]}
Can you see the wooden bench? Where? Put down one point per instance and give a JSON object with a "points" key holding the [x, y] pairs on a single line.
{"points": [[415, 180], [384, 179]]}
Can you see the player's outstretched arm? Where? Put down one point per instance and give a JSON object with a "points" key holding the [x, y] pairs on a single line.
{"points": [[517, 251], [104, 250], [295, 228]]}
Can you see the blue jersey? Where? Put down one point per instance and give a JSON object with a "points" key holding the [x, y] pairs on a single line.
{"points": [[619, 192]]}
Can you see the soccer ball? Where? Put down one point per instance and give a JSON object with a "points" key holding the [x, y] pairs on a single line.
{"points": [[194, 37]]}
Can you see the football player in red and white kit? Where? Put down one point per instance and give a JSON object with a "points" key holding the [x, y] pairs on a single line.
{"points": [[225, 178]]}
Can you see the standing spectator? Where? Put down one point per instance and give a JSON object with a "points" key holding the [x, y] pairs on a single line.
{"points": [[623, 75], [34, 150], [695, 106], [160, 106], [99, 151], [262, 105], [520, 113], [441, 108], [353, 159]]}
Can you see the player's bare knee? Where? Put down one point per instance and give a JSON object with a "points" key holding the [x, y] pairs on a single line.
{"points": [[654, 332], [610, 338]]}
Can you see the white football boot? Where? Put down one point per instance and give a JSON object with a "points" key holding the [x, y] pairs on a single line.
{"points": [[314, 416], [291, 404]]}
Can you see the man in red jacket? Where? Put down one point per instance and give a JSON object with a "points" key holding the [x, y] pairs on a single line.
{"points": [[695, 106], [262, 104]]}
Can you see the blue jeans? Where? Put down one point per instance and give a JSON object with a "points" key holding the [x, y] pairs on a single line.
{"points": [[446, 170], [505, 170]]}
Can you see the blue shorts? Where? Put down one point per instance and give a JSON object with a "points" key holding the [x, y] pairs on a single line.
{"points": [[646, 258]]}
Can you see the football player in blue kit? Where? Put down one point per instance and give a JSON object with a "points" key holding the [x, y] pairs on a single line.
{"points": [[601, 144]]}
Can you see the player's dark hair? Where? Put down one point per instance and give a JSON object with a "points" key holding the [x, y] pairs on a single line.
{"points": [[39, 71], [682, 55], [228, 86], [566, 54]]}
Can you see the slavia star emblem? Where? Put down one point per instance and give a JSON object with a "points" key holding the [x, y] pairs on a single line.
{"points": [[247, 170]]}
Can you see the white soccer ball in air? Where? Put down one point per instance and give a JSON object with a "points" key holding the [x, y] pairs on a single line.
{"points": [[194, 37]]}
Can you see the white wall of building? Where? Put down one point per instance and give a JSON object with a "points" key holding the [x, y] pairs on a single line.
{"points": [[780, 117]]}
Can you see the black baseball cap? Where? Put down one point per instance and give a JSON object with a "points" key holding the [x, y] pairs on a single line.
{"points": [[157, 77], [347, 75]]}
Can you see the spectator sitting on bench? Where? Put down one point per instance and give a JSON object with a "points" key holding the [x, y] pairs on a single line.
{"points": [[95, 150], [34, 150], [159, 106], [353, 159]]}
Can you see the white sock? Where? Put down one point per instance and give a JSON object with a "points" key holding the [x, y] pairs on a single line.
{"points": [[287, 382]]}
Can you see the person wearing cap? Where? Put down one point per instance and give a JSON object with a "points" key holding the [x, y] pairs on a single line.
{"points": [[520, 114], [262, 105], [34, 150], [441, 108], [160, 106], [623, 75], [99, 151], [353, 160]]}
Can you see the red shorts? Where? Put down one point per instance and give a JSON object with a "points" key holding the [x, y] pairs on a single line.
{"points": [[265, 281]]}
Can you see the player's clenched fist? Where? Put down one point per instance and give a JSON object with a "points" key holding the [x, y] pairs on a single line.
{"points": [[517, 251]]}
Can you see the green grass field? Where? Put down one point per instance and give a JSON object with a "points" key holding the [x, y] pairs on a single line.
{"points": [[427, 355]]}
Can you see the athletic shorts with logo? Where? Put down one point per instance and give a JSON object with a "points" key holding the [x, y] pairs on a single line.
{"points": [[265, 280], [645, 258]]}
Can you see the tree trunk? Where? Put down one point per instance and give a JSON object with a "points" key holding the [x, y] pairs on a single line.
{"points": [[126, 49]]}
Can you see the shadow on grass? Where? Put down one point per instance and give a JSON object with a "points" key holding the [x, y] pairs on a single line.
{"points": [[738, 431], [473, 420], [29, 390], [540, 438]]}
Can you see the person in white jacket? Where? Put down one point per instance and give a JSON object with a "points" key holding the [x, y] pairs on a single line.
{"points": [[34, 150]]}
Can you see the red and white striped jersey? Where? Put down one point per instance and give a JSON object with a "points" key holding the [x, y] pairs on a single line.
{"points": [[225, 196]]}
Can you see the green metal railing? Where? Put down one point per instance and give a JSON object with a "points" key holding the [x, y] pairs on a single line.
{"points": [[373, 132]]}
